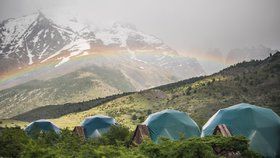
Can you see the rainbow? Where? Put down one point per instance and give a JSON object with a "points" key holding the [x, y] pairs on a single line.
{"points": [[203, 56], [41, 69], [45, 70]]}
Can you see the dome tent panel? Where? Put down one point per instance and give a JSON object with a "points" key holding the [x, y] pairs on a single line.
{"points": [[259, 143], [96, 125], [260, 125], [41, 126], [171, 124]]}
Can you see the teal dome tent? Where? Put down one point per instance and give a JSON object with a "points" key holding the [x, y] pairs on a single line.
{"points": [[171, 124], [41, 126], [96, 125], [260, 125]]}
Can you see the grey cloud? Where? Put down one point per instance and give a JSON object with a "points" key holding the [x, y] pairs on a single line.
{"points": [[183, 24]]}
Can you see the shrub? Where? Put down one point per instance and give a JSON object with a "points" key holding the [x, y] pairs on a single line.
{"points": [[117, 135], [15, 143], [34, 150], [244, 89], [184, 148], [197, 147], [12, 142], [109, 151], [134, 117], [68, 143]]}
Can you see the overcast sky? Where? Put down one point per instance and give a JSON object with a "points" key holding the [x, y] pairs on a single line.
{"points": [[182, 24]]}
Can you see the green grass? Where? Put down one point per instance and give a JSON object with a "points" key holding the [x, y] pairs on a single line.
{"points": [[12, 123]]}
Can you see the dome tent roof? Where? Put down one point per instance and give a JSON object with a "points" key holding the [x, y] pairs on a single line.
{"points": [[260, 125], [171, 124], [41, 126], [95, 126]]}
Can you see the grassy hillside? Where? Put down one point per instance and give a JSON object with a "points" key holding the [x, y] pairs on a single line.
{"points": [[255, 82], [54, 111], [78, 86]]}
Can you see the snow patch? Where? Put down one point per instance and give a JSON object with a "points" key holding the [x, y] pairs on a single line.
{"points": [[42, 53], [133, 56], [84, 53], [35, 40], [75, 48], [30, 56], [64, 60], [118, 34], [52, 35], [15, 28]]}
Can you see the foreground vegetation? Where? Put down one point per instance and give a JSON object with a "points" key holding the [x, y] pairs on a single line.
{"points": [[116, 143]]}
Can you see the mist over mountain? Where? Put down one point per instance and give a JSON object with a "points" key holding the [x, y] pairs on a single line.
{"points": [[248, 53], [214, 60]]}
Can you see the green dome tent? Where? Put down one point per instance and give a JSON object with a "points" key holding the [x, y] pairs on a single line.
{"points": [[260, 125], [96, 125], [41, 126], [171, 124]]}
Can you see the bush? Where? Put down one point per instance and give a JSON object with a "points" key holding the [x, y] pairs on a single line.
{"points": [[244, 89], [34, 150], [109, 151], [197, 147], [12, 142], [184, 148], [15, 143], [134, 117], [117, 135]]}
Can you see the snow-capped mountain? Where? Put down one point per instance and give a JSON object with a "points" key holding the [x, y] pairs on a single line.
{"points": [[36, 39], [72, 62]]}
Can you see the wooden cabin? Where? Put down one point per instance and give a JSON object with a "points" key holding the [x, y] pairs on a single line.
{"points": [[141, 132], [79, 131], [222, 130]]}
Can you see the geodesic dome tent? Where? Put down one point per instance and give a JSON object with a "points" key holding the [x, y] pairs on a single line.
{"points": [[260, 125], [171, 124], [96, 125], [41, 126]]}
